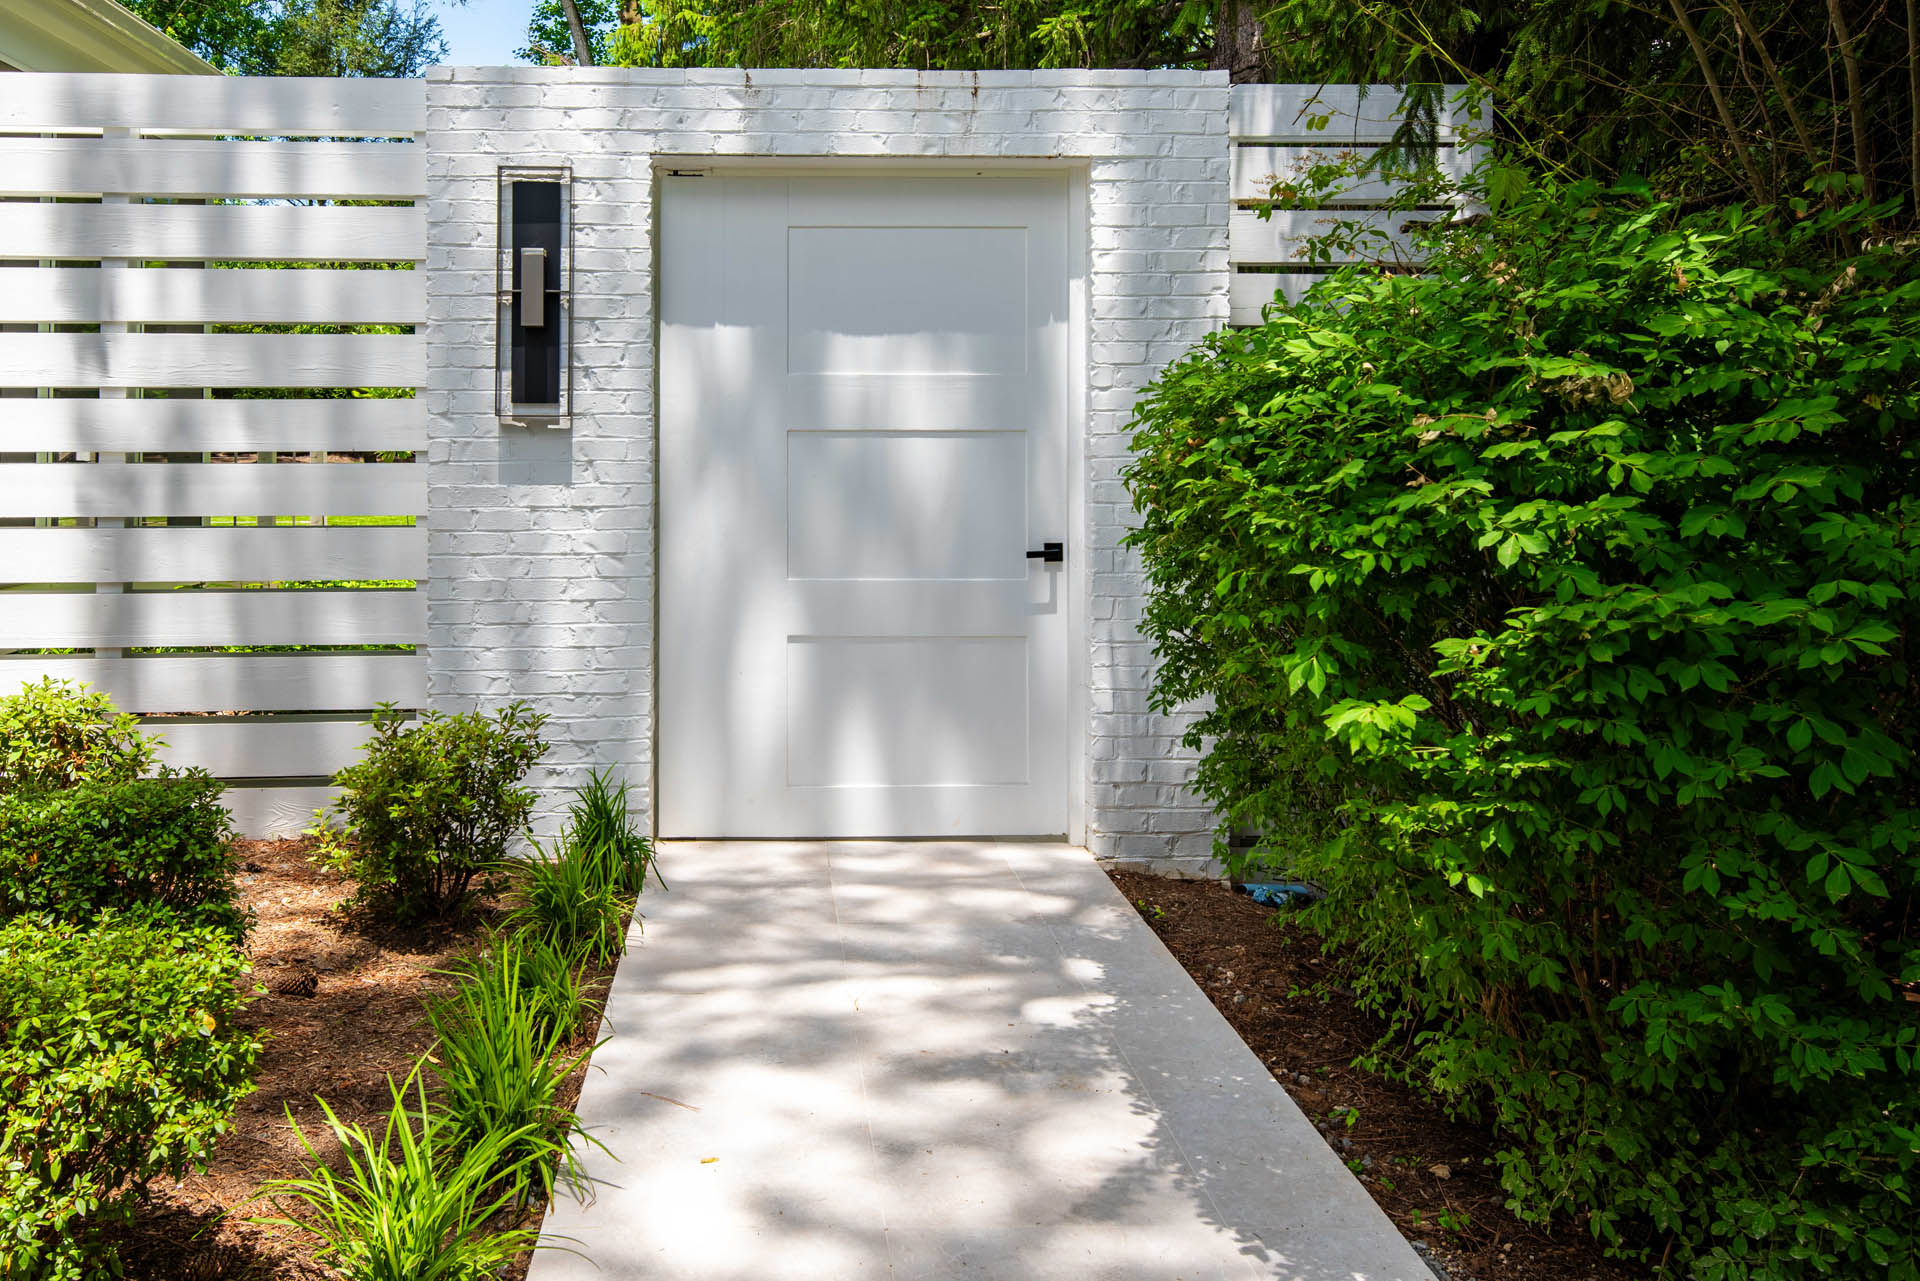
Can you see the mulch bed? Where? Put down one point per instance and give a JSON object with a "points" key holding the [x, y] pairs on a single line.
{"points": [[1433, 1176], [362, 1024]]}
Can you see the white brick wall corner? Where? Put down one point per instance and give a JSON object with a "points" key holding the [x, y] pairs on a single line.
{"points": [[544, 591]]}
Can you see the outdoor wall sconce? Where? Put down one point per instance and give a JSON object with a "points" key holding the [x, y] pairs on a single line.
{"points": [[533, 378]]}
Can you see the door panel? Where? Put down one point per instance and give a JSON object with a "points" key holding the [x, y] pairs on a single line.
{"points": [[864, 406]]}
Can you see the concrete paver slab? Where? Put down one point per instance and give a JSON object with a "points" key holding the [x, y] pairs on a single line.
{"points": [[924, 1061]]}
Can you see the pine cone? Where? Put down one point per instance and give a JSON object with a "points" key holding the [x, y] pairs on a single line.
{"points": [[303, 984], [207, 1263]]}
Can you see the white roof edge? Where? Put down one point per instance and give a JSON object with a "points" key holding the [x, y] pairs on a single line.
{"points": [[90, 35]]}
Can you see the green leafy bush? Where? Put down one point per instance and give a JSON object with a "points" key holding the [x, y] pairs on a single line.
{"points": [[55, 734], [120, 1061], [502, 1062], [412, 1204], [601, 818], [144, 846], [1555, 612], [571, 900], [429, 810]]}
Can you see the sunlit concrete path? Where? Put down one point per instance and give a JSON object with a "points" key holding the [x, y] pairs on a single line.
{"points": [[919, 1061]]}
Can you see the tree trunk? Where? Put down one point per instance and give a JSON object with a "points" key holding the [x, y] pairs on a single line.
{"points": [[1239, 45], [1856, 105], [1759, 189], [582, 48]]}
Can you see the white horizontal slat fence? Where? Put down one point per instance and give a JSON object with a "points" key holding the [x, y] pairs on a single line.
{"points": [[176, 554], [215, 426], [204, 169], [1278, 133], [212, 360], [57, 295], [248, 233], [212, 504], [211, 489]]}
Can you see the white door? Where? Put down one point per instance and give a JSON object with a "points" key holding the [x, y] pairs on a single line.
{"points": [[863, 416]]}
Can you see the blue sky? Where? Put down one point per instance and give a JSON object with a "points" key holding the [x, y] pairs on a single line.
{"points": [[483, 33]]}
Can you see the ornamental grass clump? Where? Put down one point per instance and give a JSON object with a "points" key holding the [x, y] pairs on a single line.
{"points": [[1556, 611], [601, 818], [502, 1062], [570, 899], [414, 1200]]}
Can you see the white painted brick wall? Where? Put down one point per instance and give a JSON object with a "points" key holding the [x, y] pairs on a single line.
{"points": [[545, 592]]}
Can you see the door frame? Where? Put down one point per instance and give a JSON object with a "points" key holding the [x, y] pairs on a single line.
{"points": [[1078, 578]]}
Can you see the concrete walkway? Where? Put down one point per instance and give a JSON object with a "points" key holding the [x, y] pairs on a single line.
{"points": [[929, 1061]]}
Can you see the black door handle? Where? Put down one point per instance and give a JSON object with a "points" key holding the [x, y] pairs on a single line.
{"points": [[1050, 553]]}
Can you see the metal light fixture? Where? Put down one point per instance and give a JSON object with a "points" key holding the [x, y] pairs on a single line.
{"points": [[533, 376]]}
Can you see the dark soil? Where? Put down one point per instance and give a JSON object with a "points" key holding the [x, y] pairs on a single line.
{"points": [[362, 1025], [1433, 1176]]}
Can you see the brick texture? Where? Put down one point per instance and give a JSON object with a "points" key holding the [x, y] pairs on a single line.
{"points": [[542, 581]]}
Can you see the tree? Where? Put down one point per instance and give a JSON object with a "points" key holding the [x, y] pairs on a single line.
{"points": [[968, 35], [550, 37], [1716, 100], [304, 37]]}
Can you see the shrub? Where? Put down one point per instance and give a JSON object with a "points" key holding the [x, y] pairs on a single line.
{"points": [[411, 1204], [432, 806], [570, 901], [120, 1061], [501, 1063], [145, 846], [1555, 612], [54, 734], [601, 818]]}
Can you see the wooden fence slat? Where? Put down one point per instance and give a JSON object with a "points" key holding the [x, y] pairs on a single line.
{"points": [[262, 748], [183, 554], [1255, 169], [191, 168], [89, 620], [1249, 291], [208, 683], [273, 812], [357, 107], [212, 360], [59, 490], [84, 295], [178, 233], [198, 426], [1283, 238], [1355, 113]]}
